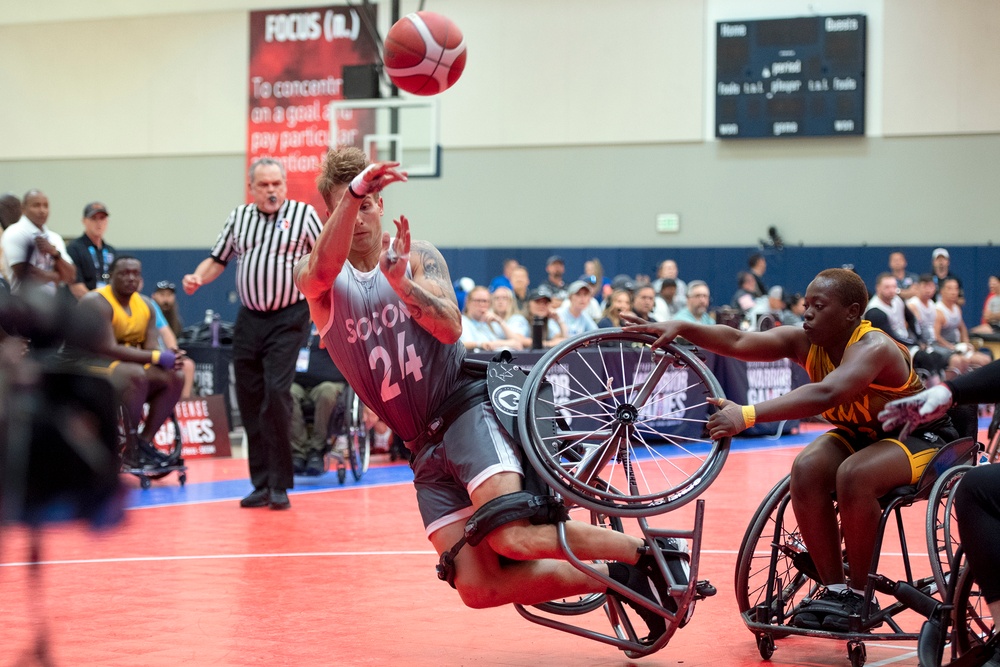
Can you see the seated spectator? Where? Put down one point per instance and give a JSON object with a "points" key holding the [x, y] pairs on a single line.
{"points": [[643, 302], [902, 323], [906, 281], [168, 341], [482, 329], [950, 333], [383, 440], [573, 312], [767, 311], [555, 269], [619, 302], [539, 312], [503, 280], [666, 302], [793, 314], [165, 297], [519, 284], [667, 269], [757, 265], [698, 299], [990, 322], [90, 253], [746, 292], [620, 282], [502, 303], [309, 442], [924, 308], [941, 270], [593, 271]]}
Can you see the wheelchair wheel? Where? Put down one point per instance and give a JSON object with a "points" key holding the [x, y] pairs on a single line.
{"points": [[973, 625], [614, 426], [131, 458], [359, 446], [774, 572], [942, 527], [585, 603]]}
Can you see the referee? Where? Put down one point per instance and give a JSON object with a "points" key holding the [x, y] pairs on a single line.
{"points": [[267, 238]]}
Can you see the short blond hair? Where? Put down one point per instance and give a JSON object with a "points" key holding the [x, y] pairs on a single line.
{"points": [[339, 167]]}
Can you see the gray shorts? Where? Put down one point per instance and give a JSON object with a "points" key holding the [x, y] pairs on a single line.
{"points": [[474, 448]]}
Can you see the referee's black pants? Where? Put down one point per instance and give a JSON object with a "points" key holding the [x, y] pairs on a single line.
{"points": [[265, 347]]}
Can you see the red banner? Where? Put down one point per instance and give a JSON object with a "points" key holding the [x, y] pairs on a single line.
{"points": [[296, 63], [203, 426]]}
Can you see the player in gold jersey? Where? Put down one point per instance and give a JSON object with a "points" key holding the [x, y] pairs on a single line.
{"points": [[855, 370]]}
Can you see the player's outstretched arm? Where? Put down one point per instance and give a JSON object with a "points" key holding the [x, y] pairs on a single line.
{"points": [[428, 293]]}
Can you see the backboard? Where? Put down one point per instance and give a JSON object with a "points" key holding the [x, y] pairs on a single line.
{"points": [[403, 130]]}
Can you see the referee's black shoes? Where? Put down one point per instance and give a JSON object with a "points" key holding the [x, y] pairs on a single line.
{"points": [[258, 498], [279, 499]]}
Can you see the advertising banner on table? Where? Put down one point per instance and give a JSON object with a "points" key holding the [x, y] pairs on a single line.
{"points": [[297, 58], [203, 426]]}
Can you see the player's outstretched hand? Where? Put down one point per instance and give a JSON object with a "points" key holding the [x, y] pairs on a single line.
{"points": [[375, 178], [728, 421], [912, 411], [396, 252], [666, 331]]}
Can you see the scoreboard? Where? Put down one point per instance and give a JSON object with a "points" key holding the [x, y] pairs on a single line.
{"points": [[794, 77]]}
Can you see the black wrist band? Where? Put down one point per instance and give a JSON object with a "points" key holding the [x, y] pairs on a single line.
{"points": [[353, 193]]}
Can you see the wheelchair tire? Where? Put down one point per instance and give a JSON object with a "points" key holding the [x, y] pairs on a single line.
{"points": [[627, 405], [585, 603], [358, 442], [973, 624], [770, 577], [941, 525], [125, 442]]}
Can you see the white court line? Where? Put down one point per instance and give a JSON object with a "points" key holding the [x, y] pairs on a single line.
{"points": [[162, 559]]}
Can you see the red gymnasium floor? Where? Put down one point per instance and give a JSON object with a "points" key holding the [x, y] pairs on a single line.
{"points": [[345, 577]]}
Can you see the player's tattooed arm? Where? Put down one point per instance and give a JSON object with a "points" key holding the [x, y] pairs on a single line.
{"points": [[429, 296]]}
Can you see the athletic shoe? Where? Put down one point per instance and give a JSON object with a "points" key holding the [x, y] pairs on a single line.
{"points": [[851, 603], [811, 612], [314, 466], [639, 582]]}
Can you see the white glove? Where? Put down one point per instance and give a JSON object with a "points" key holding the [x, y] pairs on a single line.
{"points": [[918, 409]]}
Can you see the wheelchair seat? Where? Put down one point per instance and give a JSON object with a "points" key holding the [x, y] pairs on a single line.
{"points": [[956, 453]]}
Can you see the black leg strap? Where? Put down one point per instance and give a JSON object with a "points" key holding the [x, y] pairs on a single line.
{"points": [[497, 512]]}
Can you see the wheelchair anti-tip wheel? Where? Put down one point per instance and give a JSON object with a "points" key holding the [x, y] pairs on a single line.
{"points": [[942, 526], [617, 427], [774, 572]]}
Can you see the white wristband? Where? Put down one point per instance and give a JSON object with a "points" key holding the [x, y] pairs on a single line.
{"points": [[359, 187]]}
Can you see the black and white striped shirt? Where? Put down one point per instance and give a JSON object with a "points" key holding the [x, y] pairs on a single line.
{"points": [[267, 248]]}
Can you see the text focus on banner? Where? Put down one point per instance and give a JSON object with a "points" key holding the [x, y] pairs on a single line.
{"points": [[297, 58], [203, 425]]}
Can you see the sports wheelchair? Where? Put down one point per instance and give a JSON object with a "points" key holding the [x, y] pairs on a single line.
{"points": [[146, 461], [614, 430], [775, 574]]}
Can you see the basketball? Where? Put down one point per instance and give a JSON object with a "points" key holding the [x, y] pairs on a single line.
{"points": [[424, 53]]}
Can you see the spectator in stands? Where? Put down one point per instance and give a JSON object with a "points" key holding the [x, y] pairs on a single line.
{"points": [[34, 253], [482, 329], [502, 303], [698, 299], [383, 440], [622, 282], [666, 303], [924, 308], [539, 312], [906, 281], [746, 292], [668, 269], [168, 341], [902, 325], [796, 307], [619, 302], [10, 212], [643, 302], [594, 271], [990, 323], [758, 267], [941, 268], [165, 296], [503, 280], [950, 333], [555, 269], [91, 255], [519, 282], [767, 311], [573, 312]]}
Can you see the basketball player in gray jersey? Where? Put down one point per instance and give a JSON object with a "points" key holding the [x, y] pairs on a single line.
{"points": [[391, 323]]}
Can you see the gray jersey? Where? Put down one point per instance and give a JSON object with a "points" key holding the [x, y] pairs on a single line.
{"points": [[397, 368]]}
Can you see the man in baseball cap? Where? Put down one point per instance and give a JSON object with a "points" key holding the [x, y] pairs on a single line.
{"points": [[941, 268], [91, 255], [555, 267]]}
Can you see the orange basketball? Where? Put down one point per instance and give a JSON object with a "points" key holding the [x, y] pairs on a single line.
{"points": [[424, 53]]}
